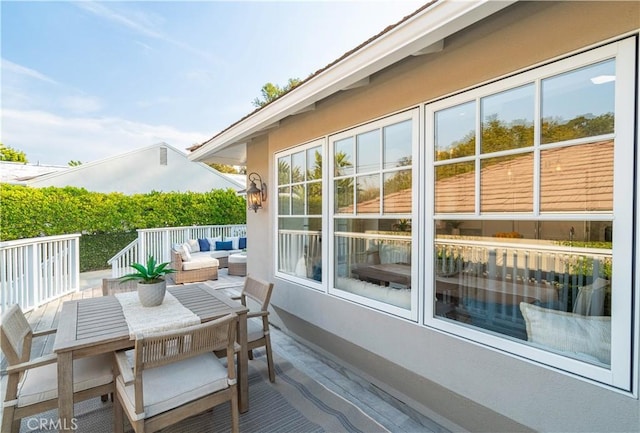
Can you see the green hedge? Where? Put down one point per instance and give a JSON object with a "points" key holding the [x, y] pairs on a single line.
{"points": [[30, 212]]}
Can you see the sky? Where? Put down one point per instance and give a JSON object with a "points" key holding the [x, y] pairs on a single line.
{"points": [[83, 81]]}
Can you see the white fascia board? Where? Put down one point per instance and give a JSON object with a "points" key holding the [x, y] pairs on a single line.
{"points": [[429, 27]]}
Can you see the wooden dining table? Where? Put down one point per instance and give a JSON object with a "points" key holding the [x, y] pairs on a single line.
{"points": [[97, 325]]}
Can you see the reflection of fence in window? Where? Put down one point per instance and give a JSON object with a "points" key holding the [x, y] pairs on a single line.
{"points": [[365, 248], [299, 251], [532, 267]]}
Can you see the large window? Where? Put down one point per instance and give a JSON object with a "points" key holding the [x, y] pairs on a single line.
{"points": [[299, 244], [372, 198], [532, 213]]}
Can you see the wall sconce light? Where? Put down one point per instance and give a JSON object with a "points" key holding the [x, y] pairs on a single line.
{"points": [[255, 195]]}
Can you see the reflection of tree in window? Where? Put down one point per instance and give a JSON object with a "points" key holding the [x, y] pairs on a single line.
{"points": [[556, 129]]}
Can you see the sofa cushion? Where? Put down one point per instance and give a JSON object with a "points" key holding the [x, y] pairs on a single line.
{"points": [[194, 245], [572, 333], [235, 241], [242, 243], [200, 262], [204, 244], [184, 252], [224, 245], [212, 242]]}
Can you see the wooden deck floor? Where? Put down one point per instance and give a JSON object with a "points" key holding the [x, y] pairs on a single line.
{"points": [[390, 412]]}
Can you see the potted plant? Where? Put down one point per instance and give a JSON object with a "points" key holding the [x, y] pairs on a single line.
{"points": [[151, 283]]}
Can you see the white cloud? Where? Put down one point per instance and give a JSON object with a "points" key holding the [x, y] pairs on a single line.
{"points": [[8, 66], [51, 139], [81, 104]]}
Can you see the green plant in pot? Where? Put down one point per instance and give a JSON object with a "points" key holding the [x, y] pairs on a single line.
{"points": [[151, 283]]}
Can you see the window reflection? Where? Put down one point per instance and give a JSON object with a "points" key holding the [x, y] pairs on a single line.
{"points": [[368, 151], [314, 163], [298, 167], [580, 181], [397, 144], [368, 190], [507, 119], [397, 192], [373, 259], [579, 103], [521, 278], [455, 187], [300, 252], [284, 170], [506, 183], [343, 157], [455, 131]]}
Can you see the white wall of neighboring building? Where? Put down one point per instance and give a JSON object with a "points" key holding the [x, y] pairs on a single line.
{"points": [[159, 167]]}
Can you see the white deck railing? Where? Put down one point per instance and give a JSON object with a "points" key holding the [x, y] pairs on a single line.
{"points": [[158, 241], [36, 270]]}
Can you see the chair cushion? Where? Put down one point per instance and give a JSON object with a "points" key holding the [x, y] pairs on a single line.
{"points": [[173, 385], [254, 329], [41, 383]]}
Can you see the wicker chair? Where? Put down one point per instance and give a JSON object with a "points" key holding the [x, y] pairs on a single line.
{"points": [[32, 385], [175, 375], [258, 291]]}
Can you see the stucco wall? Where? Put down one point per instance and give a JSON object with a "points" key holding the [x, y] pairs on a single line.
{"points": [[508, 393]]}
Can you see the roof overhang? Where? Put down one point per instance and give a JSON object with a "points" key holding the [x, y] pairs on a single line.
{"points": [[419, 34]]}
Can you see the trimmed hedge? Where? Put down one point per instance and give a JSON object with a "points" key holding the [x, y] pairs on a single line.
{"points": [[108, 222], [31, 212]]}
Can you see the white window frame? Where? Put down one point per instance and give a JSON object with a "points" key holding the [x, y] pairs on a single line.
{"points": [[621, 372], [414, 116], [317, 285]]}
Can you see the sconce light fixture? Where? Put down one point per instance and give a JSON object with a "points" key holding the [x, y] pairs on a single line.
{"points": [[256, 195]]}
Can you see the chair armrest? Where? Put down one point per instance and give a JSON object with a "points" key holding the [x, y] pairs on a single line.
{"points": [[257, 314], [124, 368], [36, 362], [44, 332]]}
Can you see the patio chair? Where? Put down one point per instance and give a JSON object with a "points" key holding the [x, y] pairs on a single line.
{"points": [[111, 286], [32, 384], [258, 321], [176, 375]]}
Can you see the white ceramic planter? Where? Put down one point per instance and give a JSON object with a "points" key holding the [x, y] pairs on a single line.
{"points": [[152, 295]]}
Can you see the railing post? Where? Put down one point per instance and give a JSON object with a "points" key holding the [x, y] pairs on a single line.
{"points": [[166, 256], [33, 283], [75, 262], [142, 246]]}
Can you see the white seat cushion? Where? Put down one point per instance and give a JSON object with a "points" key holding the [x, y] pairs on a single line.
{"points": [[173, 385], [41, 383], [200, 263], [254, 329]]}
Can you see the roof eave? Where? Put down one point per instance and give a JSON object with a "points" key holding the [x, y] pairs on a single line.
{"points": [[428, 27]]}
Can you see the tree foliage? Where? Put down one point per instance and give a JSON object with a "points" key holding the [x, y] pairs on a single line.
{"points": [[270, 91], [74, 163], [31, 212], [10, 154]]}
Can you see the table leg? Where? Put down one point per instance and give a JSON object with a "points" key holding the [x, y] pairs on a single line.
{"points": [[243, 365], [65, 390]]}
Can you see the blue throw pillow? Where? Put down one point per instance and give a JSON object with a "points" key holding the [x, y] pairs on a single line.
{"points": [[224, 245], [204, 244], [242, 243]]}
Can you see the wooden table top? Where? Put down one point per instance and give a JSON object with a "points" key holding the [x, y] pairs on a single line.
{"points": [[89, 322]]}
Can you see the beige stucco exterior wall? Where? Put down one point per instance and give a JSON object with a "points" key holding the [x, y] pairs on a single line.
{"points": [[478, 388]]}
